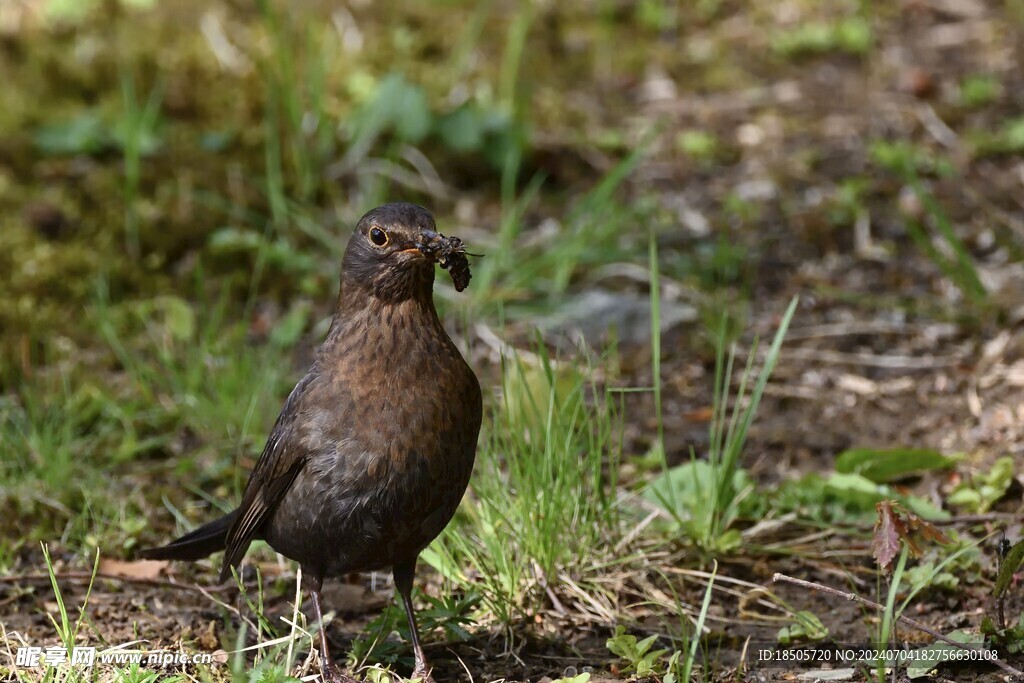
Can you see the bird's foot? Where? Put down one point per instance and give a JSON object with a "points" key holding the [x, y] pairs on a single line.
{"points": [[422, 673], [332, 673]]}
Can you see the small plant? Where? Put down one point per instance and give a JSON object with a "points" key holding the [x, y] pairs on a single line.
{"points": [[379, 674], [804, 627], [451, 613], [643, 662], [638, 655], [699, 145], [706, 497], [907, 159], [979, 493], [1007, 139], [852, 35], [844, 497], [578, 678], [67, 631], [977, 90], [898, 535], [543, 490], [911, 163], [848, 203]]}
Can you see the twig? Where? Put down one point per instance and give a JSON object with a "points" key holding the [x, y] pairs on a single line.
{"points": [[902, 619]]}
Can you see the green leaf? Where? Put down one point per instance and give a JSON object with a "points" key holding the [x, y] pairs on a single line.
{"points": [[579, 678], [688, 485], [84, 134], [687, 492], [231, 239], [1008, 567], [860, 492], [855, 489], [925, 575], [806, 626], [68, 10], [462, 130], [638, 654], [179, 318], [885, 465], [980, 493], [1012, 135], [978, 90], [399, 106], [288, 329]]}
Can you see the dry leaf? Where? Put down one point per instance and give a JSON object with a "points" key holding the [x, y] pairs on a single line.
{"points": [[142, 569], [889, 529]]}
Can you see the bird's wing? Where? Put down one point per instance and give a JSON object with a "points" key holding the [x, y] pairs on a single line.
{"points": [[281, 461]]}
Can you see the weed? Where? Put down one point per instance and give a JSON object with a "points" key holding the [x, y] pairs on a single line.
{"points": [[980, 493], [543, 491], [699, 145], [705, 498], [978, 90], [299, 130], [852, 35], [67, 631], [639, 656], [910, 163], [137, 135], [955, 262], [644, 662], [593, 233], [907, 159], [450, 613]]}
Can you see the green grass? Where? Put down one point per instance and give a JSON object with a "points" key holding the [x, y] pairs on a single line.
{"points": [[852, 35], [544, 491], [167, 375], [138, 136], [706, 497]]}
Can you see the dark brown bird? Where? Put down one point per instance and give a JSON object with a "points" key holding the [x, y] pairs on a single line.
{"points": [[374, 447]]}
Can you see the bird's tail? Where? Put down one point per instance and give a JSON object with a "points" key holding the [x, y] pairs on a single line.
{"points": [[204, 541]]}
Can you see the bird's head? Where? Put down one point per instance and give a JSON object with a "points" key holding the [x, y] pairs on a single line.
{"points": [[391, 254]]}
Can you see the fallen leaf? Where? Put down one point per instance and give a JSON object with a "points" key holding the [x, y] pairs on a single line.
{"points": [[142, 569], [889, 529]]}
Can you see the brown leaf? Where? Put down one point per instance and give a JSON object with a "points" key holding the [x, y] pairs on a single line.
{"points": [[142, 569], [889, 529], [705, 414], [926, 529]]}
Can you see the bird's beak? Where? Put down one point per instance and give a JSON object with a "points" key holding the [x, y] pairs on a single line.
{"points": [[424, 245]]}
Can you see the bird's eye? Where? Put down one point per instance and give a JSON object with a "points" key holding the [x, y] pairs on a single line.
{"points": [[378, 237]]}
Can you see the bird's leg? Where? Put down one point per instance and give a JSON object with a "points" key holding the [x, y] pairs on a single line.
{"points": [[403, 574], [329, 671]]}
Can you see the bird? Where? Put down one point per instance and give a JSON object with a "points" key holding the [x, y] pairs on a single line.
{"points": [[373, 449]]}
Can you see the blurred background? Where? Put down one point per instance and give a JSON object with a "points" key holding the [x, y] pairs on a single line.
{"points": [[650, 182]]}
